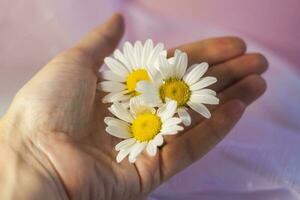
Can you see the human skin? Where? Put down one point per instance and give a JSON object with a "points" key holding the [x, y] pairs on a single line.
{"points": [[52, 139]]}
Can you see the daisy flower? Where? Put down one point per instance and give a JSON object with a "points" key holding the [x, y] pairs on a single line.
{"points": [[142, 127], [136, 62], [185, 86]]}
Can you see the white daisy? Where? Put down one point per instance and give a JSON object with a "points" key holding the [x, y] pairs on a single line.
{"points": [[126, 69], [142, 127], [185, 86]]}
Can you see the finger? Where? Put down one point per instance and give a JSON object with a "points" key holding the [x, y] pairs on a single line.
{"points": [[100, 42], [190, 147], [236, 69], [213, 50], [246, 90]]}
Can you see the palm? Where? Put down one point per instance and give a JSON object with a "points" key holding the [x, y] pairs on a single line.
{"points": [[59, 89], [67, 114]]}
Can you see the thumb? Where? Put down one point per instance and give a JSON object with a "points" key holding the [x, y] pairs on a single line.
{"points": [[101, 41]]}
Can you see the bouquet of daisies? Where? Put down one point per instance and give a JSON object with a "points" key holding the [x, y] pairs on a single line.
{"points": [[151, 95]]}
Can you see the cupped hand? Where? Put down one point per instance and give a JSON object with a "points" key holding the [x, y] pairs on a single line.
{"points": [[56, 119]]}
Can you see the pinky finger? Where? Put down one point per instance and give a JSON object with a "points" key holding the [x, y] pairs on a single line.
{"points": [[196, 142]]}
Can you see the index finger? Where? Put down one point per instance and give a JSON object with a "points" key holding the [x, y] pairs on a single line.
{"points": [[212, 51]]}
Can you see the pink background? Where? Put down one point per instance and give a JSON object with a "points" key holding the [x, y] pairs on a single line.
{"points": [[260, 158], [273, 23]]}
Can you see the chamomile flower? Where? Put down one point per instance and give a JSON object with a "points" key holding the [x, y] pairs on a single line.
{"points": [[137, 62], [185, 86], [142, 127]]}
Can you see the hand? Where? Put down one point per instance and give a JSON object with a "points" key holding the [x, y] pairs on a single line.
{"points": [[55, 127]]}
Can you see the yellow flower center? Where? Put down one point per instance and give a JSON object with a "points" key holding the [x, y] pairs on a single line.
{"points": [[145, 127], [134, 77], [175, 89]]}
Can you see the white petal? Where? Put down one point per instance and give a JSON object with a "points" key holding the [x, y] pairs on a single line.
{"points": [[150, 99], [204, 92], [158, 140], [111, 86], [110, 121], [153, 57], [129, 54], [206, 99], [152, 71], [125, 104], [167, 111], [111, 76], [180, 65], [164, 53], [149, 93], [137, 106], [115, 66], [122, 154], [125, 144], [177, 52], [200, 108], [171, 130], [152, 65], [157, 78], [147, 48], [115, 97], [194, 75], [145, 87], [151, 149], [118, 55], [184, 116], [190, 68], [158, 81], [136, 150], [171, 60], [119, 111], [165, 68], [172, 121], [138, 47], [203, 82], [118, 132]]}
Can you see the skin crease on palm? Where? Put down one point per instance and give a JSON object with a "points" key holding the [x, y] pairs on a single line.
{"points": [[53, 143]]}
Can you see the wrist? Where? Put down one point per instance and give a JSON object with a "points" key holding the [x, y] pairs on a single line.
{"points": [[25, 172]]}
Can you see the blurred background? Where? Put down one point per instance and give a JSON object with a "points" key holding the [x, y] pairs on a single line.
{"points": [[260, 158]]}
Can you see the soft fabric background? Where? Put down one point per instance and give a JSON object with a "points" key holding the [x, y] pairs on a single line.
{"points": [[259, 160]]}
